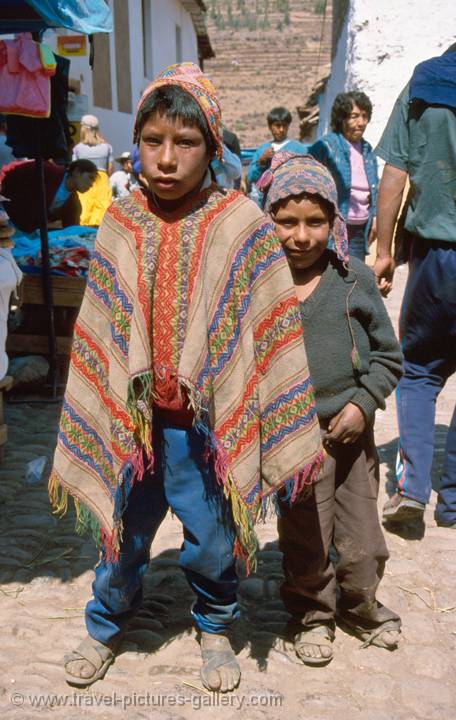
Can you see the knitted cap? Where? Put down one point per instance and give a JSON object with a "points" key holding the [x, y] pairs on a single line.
{"points": [[292, 174], [190, 78]]}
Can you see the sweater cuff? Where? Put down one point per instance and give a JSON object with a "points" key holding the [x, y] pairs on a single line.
{"points": [[366, 403]]}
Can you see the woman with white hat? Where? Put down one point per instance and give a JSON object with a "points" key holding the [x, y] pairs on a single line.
{"points": [[93, 146]]}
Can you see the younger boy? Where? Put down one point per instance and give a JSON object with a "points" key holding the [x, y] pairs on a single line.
{"points": [[188, 385], [355, 362], [279, 121]]}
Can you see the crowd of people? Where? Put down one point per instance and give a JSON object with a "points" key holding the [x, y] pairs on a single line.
{"points": [[232, 351]]}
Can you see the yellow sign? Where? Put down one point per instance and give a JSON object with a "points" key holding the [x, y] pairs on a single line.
{"points": [[72, 45]]}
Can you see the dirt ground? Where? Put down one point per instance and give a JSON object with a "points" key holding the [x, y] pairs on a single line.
{"points": [[46, 574]]}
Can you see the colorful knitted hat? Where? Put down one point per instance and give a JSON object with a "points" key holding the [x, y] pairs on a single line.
{"points": [[191, 79], [293, 174]]}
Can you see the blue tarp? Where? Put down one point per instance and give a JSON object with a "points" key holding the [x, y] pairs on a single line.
{"points": [[80, 16], [84, 16]]}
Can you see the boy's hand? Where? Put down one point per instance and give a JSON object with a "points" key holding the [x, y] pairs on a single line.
{"points": [[266, 156], [346, 426]]}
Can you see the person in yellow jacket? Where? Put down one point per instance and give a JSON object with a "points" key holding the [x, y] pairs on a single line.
{"points": [[93, 146]]}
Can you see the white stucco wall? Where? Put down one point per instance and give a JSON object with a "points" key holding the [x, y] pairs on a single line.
{"points": [[381, 43], [165, 14]]}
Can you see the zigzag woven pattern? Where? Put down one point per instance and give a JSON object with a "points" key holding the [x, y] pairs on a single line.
{"points": [[203, 297]]}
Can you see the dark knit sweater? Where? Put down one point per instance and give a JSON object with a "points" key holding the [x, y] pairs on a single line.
{"points": [[329, 344]]}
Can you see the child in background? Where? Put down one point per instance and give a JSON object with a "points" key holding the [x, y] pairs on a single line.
{"points": [[355, 363], [279, 121]]}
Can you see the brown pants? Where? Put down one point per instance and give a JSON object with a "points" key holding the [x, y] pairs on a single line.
{"points": [[342, 511]]}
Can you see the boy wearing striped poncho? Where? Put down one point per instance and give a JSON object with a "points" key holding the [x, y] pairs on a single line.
{"points": [[188, 385]]}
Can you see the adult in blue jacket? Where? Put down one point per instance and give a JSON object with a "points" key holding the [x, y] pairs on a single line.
{"points": [[353, 165]]}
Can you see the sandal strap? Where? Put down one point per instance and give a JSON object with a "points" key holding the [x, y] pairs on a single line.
{"points": [[387, 626], [91, 650], [213, 659], [313, 636]]}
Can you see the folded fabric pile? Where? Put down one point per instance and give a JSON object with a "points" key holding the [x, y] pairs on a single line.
{"points": [[69, 251]]}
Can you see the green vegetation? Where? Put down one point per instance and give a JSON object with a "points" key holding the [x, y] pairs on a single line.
{"points": [[249, 14]]}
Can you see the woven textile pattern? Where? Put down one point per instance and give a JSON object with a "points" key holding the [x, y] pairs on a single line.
{"points": [[230, 333]]}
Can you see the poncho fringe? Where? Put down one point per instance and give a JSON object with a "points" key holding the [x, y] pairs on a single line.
{"points": [[246, 544]]}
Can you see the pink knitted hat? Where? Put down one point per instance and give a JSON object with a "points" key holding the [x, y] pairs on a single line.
{"points": [[191, 79]]}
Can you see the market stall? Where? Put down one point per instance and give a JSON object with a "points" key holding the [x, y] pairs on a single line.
{"points": [[36, 16]]}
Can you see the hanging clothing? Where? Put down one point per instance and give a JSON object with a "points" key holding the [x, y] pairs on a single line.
{"points": [[25, 81], [50, 137]]}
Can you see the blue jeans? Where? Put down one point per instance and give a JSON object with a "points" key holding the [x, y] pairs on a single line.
{"points": [[357, 241], [184, 481], [428, 332]]}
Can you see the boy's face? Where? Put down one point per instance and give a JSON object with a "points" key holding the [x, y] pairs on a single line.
{"points": [[279, 130], [303, 228], [174, 157]]}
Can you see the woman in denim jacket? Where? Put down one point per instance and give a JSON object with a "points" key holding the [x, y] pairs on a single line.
{"points": [[353, 165]]}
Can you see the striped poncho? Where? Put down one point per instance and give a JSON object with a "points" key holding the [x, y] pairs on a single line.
{"points": [[242, 362]]}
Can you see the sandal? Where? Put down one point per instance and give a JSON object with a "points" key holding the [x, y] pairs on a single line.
{"points": [[213, 659], [314, 636], [94, 652], [374, 635]]}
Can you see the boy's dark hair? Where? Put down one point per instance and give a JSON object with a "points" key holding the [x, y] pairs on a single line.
{"points": [[82, 166], [327, 206], [172, 102], [279, 114], [343, 107]]}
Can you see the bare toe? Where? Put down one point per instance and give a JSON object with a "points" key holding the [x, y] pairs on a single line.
{"points": [[220, 669]]}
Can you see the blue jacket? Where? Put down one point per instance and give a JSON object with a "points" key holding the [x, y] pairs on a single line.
{"points": [[333, 150], [255, 170], [227, 170]]}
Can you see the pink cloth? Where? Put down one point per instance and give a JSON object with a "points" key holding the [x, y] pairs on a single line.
{"points": [[25, 83], [358, 210]]}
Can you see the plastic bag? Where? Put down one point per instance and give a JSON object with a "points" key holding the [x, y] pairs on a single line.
{"points": [[34, 470]]}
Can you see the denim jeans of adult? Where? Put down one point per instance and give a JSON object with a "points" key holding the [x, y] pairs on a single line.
{"points": [[184, 481], [357, 241], [428, 333]]}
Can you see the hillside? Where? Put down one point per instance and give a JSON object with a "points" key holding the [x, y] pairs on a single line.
{"points": [[268, 53]]}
